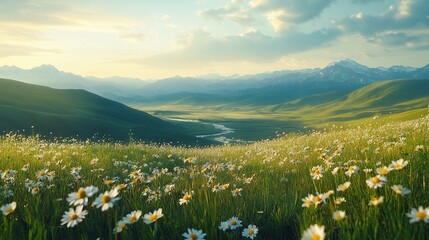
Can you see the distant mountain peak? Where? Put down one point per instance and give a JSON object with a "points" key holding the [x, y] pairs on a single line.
{"points": [[348, 63], [401, 69], [46, 67]]}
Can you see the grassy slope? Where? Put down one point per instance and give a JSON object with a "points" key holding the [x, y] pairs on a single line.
{"points": [[77, 112], [274, 177]]}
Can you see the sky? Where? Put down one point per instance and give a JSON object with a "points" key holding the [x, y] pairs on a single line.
{"points": [[153, 39]]}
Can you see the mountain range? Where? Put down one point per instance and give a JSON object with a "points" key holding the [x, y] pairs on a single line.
{"points": [[264, 88], [67, 104]]}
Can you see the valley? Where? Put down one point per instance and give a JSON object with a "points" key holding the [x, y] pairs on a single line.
{"points": [[259, 121]]}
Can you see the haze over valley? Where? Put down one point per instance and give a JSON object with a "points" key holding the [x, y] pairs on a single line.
{"points": [[252, 107]]}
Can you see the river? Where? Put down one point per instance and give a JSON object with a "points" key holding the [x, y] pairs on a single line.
{"points": [[219, 136]]}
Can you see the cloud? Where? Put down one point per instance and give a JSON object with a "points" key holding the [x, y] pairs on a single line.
{"points": [[200, 47], [42, 14], [136, 37], [402, 25], [394, 39], [234, 11], [367, 1], [298, 11], [11, 50], [413, 16], [279, 19], [281, 14]]}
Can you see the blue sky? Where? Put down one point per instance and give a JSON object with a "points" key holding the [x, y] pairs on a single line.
{"points": [[152, 39]]}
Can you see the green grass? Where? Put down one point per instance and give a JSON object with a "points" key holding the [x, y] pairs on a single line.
{"points": [[274, 177]]}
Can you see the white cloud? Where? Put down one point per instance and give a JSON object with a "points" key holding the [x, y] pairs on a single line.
{"points": [[234, 10], [279, 19], [11, 50], [136, 37], [359, 15], [201, 48], [281, 14], [299, 11], [404, 8]]}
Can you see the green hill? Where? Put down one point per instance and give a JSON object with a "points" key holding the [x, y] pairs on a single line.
{"points": [[402, 93], [78, 113]]}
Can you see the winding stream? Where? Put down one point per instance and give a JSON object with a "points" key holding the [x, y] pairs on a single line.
{"points": [[223, 130]]}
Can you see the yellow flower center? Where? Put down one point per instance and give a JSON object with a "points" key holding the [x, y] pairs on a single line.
{"points": [[383, 171], [338, 217], [81, 193], [216, 187], [105, 199], [42, 173], [420, 215], [186, 197], [153, 217], [376, 180], [351, 169], [316, 171], [251, 232], [315, 237], [9, 211], [193, 236], [133, 219], [73, 216], [134, 173], [317, 199], [233, 222], [135, 181], [122, 226]]}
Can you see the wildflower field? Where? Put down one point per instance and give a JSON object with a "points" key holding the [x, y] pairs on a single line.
{"points": [[365, 182]]}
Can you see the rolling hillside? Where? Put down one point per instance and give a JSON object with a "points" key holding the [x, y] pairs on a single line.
{"points": [[78, 113], [262, 119], [385, 97]]}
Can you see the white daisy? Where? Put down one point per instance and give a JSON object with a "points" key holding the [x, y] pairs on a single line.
{"points": [[314, 232], [153, 217], [8, 208], [400, 190], [194, 234], [343, 187], [132, 217], [81, 196], [185, 199], [317, 172], [120, 226], [399, 164], [250, 232], [73, 217], [338, 215], [421, 214], [376, 182], [106, 199], [234, 223], [224, 226]]}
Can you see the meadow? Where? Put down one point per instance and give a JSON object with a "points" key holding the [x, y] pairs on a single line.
{"points": [[358, 181]]}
